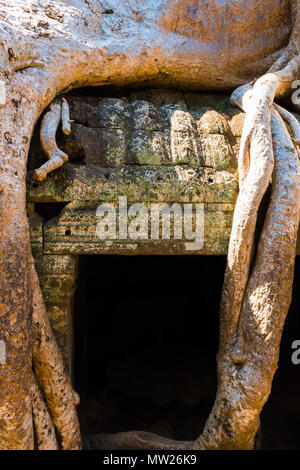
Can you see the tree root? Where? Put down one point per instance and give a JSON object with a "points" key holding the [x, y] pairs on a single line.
{"points": [[256, 146], [134, 440], [59, 111], [292, 122], [65, 117]]}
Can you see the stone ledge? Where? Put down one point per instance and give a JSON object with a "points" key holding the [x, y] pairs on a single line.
{"points": [[139, 183]]}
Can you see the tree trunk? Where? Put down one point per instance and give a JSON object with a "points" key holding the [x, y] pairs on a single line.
{"points": [[46, 51]]}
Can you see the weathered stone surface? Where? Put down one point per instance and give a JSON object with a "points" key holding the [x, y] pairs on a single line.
{"points": [[125, 49], [138, 183], [112, 132], [96, 146]]}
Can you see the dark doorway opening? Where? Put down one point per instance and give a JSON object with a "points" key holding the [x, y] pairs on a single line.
{"points": [[145, 347], [147, 338]]}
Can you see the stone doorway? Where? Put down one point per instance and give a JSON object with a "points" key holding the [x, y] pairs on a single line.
{"points": [[146, 337]]}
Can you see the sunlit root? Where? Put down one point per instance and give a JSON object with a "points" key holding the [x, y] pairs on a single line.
{"points": [[51, 376], [242, 392], [56, 162], [292, 122], [59, 110], [244, 388], [65, 117], [256, 164], [45, 438]]}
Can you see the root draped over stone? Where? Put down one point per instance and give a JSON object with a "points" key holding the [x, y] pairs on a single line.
{"points": [[59, 111]]}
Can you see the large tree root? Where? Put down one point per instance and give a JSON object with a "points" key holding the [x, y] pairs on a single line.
{"points": [[37, 403], [44, 430], [59, 111]]}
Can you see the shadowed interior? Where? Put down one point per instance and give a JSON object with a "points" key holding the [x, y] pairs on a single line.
{"points": [[146, 340]]}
